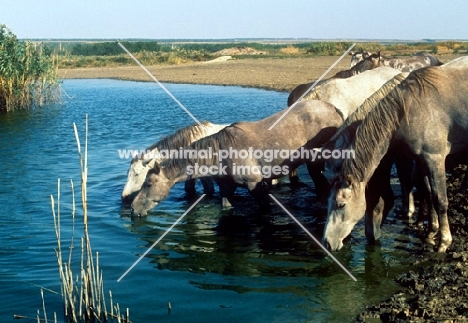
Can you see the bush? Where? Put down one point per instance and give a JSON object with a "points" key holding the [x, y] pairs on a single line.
{"points": [[27, 75], [112, 48]]}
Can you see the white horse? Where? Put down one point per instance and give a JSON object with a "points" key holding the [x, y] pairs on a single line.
{"points": [[349, 93], [140, 165]]}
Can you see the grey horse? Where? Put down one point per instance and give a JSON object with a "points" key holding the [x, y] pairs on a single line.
{"points": [[426, 117], [255, 154]]}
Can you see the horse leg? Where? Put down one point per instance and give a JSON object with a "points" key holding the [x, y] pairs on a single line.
{"points": [[259, 191], [373, 217], [227, 187], [425, 211], [379, 199], [294, 178], [405, 167], [320, 182], [437, 189], [208, 185], [190, 186]]}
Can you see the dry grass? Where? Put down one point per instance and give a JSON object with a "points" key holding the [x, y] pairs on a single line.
{"points": [[290, 50], [83, 294]]}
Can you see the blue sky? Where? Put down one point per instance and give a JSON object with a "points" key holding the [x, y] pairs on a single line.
{"points": [[214, 19]]}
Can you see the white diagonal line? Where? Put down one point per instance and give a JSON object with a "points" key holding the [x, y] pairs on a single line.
{"points": [[160, 84], [161, 237], [313, 238], [312, 86]]}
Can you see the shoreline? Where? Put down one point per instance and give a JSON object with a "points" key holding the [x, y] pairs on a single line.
{"points": [[278, 74]]}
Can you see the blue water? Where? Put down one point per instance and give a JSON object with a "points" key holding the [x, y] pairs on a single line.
{"points": [[216, 265]]}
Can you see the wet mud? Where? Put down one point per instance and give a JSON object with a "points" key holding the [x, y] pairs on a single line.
{"points": [[436, 289]]}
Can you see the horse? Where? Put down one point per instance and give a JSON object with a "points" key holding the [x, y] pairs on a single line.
{"points": [[371, 62], [425, 117], [349, 93], [356, 57], [266, 154], [412, 63], [141, 164], [379, 197], [460, 62]]}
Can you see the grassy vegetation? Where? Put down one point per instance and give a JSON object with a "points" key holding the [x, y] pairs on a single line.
{"points": [[27, 73], [109, 54]]}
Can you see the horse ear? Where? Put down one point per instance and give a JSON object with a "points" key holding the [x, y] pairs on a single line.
{"points": [[351, 53], [156, 168], [150, 163], [147, 162], [349, 180]]}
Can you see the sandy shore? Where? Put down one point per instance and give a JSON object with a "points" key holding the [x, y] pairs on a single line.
{"points": [[280, 74]]}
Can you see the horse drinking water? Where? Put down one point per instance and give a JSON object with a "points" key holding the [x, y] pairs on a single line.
{"points": [[140, 165], [426, 117], [309, 124]]}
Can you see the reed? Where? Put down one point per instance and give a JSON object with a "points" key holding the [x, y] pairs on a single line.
{"points": [[28, 75], [83, 296]]}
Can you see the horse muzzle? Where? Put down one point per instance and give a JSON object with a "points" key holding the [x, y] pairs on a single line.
{"points": [[332, 244]]}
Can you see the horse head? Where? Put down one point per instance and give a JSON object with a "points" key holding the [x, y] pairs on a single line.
{"points": [[356, 57], [136, 175], [154, 190], [376, 60], [346, 206]]}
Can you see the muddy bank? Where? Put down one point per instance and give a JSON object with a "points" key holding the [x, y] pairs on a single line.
{"points": [[437, 289]]}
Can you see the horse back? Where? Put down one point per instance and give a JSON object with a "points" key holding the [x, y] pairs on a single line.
{"points": [[294, 129], [437, 115]]}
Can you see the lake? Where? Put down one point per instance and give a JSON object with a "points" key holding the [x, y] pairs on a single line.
{"points": [[216, 265]]}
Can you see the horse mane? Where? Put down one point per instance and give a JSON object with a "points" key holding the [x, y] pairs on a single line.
{"points": [[224, 138], [181, 138], [361, 112], [382, 121]]}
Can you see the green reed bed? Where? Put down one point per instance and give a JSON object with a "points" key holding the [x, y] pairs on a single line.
{"points": [[28, 73]]}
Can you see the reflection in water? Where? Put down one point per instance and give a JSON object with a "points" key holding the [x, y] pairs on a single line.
{"points": [[244, 251], [231, 242], [269, 253]]}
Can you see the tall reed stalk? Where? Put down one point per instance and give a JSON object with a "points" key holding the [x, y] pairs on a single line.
{"points": [[83, 295]]}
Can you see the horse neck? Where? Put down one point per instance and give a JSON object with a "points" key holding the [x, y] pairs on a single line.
{"points": [[203, 152], [174, 171], [373, 138], [186, 136]]}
